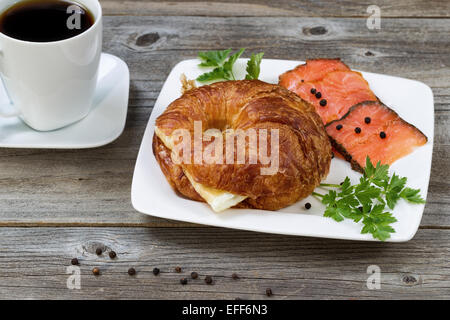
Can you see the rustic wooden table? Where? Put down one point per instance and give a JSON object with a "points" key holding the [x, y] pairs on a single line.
{"points": [[60, 204]]}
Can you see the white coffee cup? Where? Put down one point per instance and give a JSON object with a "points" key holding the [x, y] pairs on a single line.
{"points": [[51, 84]]}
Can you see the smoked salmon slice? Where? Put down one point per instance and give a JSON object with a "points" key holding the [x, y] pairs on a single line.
{"points": [[336, 93], [312, 70], [328, 84], [372, 129]]}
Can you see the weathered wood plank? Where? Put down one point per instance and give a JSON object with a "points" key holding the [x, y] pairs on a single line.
{"points": [[410, 48], [92, 187], [321, 8], [34, 260]]}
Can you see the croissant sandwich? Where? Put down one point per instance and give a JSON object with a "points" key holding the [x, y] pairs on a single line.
{"points": [[245, 144]]}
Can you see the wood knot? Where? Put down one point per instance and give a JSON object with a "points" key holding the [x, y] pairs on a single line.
{"points": [[409, 279], [147, 39], [315, 31], [369, 54], [94, 247]]}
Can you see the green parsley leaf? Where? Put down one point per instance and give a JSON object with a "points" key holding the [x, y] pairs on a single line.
{"points": [[395, 186], [366, 201], [213, 58], [396, 183], [365, 193], [216, 74], [381, 172], [228, 66], [382, 232], [369, 171], [412, 195], [346, 187], [391, 199], [330, 198], [253, 66], [350, 201], [332, 212]]}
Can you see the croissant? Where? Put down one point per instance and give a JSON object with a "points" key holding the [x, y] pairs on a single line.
{"points": [[271, 111]]}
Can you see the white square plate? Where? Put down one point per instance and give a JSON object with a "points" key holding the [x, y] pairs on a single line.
{"points": [[412, 100]]}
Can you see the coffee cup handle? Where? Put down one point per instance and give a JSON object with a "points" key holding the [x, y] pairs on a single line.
{"points": [[3, 114]]}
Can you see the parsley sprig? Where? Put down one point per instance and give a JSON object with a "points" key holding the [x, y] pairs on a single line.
{"points": [[223, 63], [253, 66], [370, 200]]}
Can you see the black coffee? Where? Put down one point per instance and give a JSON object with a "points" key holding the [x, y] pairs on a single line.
{"points": [[45, 20]]}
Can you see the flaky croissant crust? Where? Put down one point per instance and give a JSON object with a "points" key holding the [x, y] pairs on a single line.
{"points": [[304, 148]]}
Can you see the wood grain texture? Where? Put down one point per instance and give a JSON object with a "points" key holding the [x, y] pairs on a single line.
{"points": [[92, 187], [284, 8], [153, 45], [60, 204], [34, 261]]}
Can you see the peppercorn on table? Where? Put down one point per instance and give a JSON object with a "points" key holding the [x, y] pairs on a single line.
{"points": [[65, 208]]}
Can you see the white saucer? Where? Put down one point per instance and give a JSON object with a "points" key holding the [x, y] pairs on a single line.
{"points": [[103, 124]]}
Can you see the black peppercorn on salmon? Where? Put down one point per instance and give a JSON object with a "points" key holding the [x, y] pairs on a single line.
{"points": [[329, 85]]}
